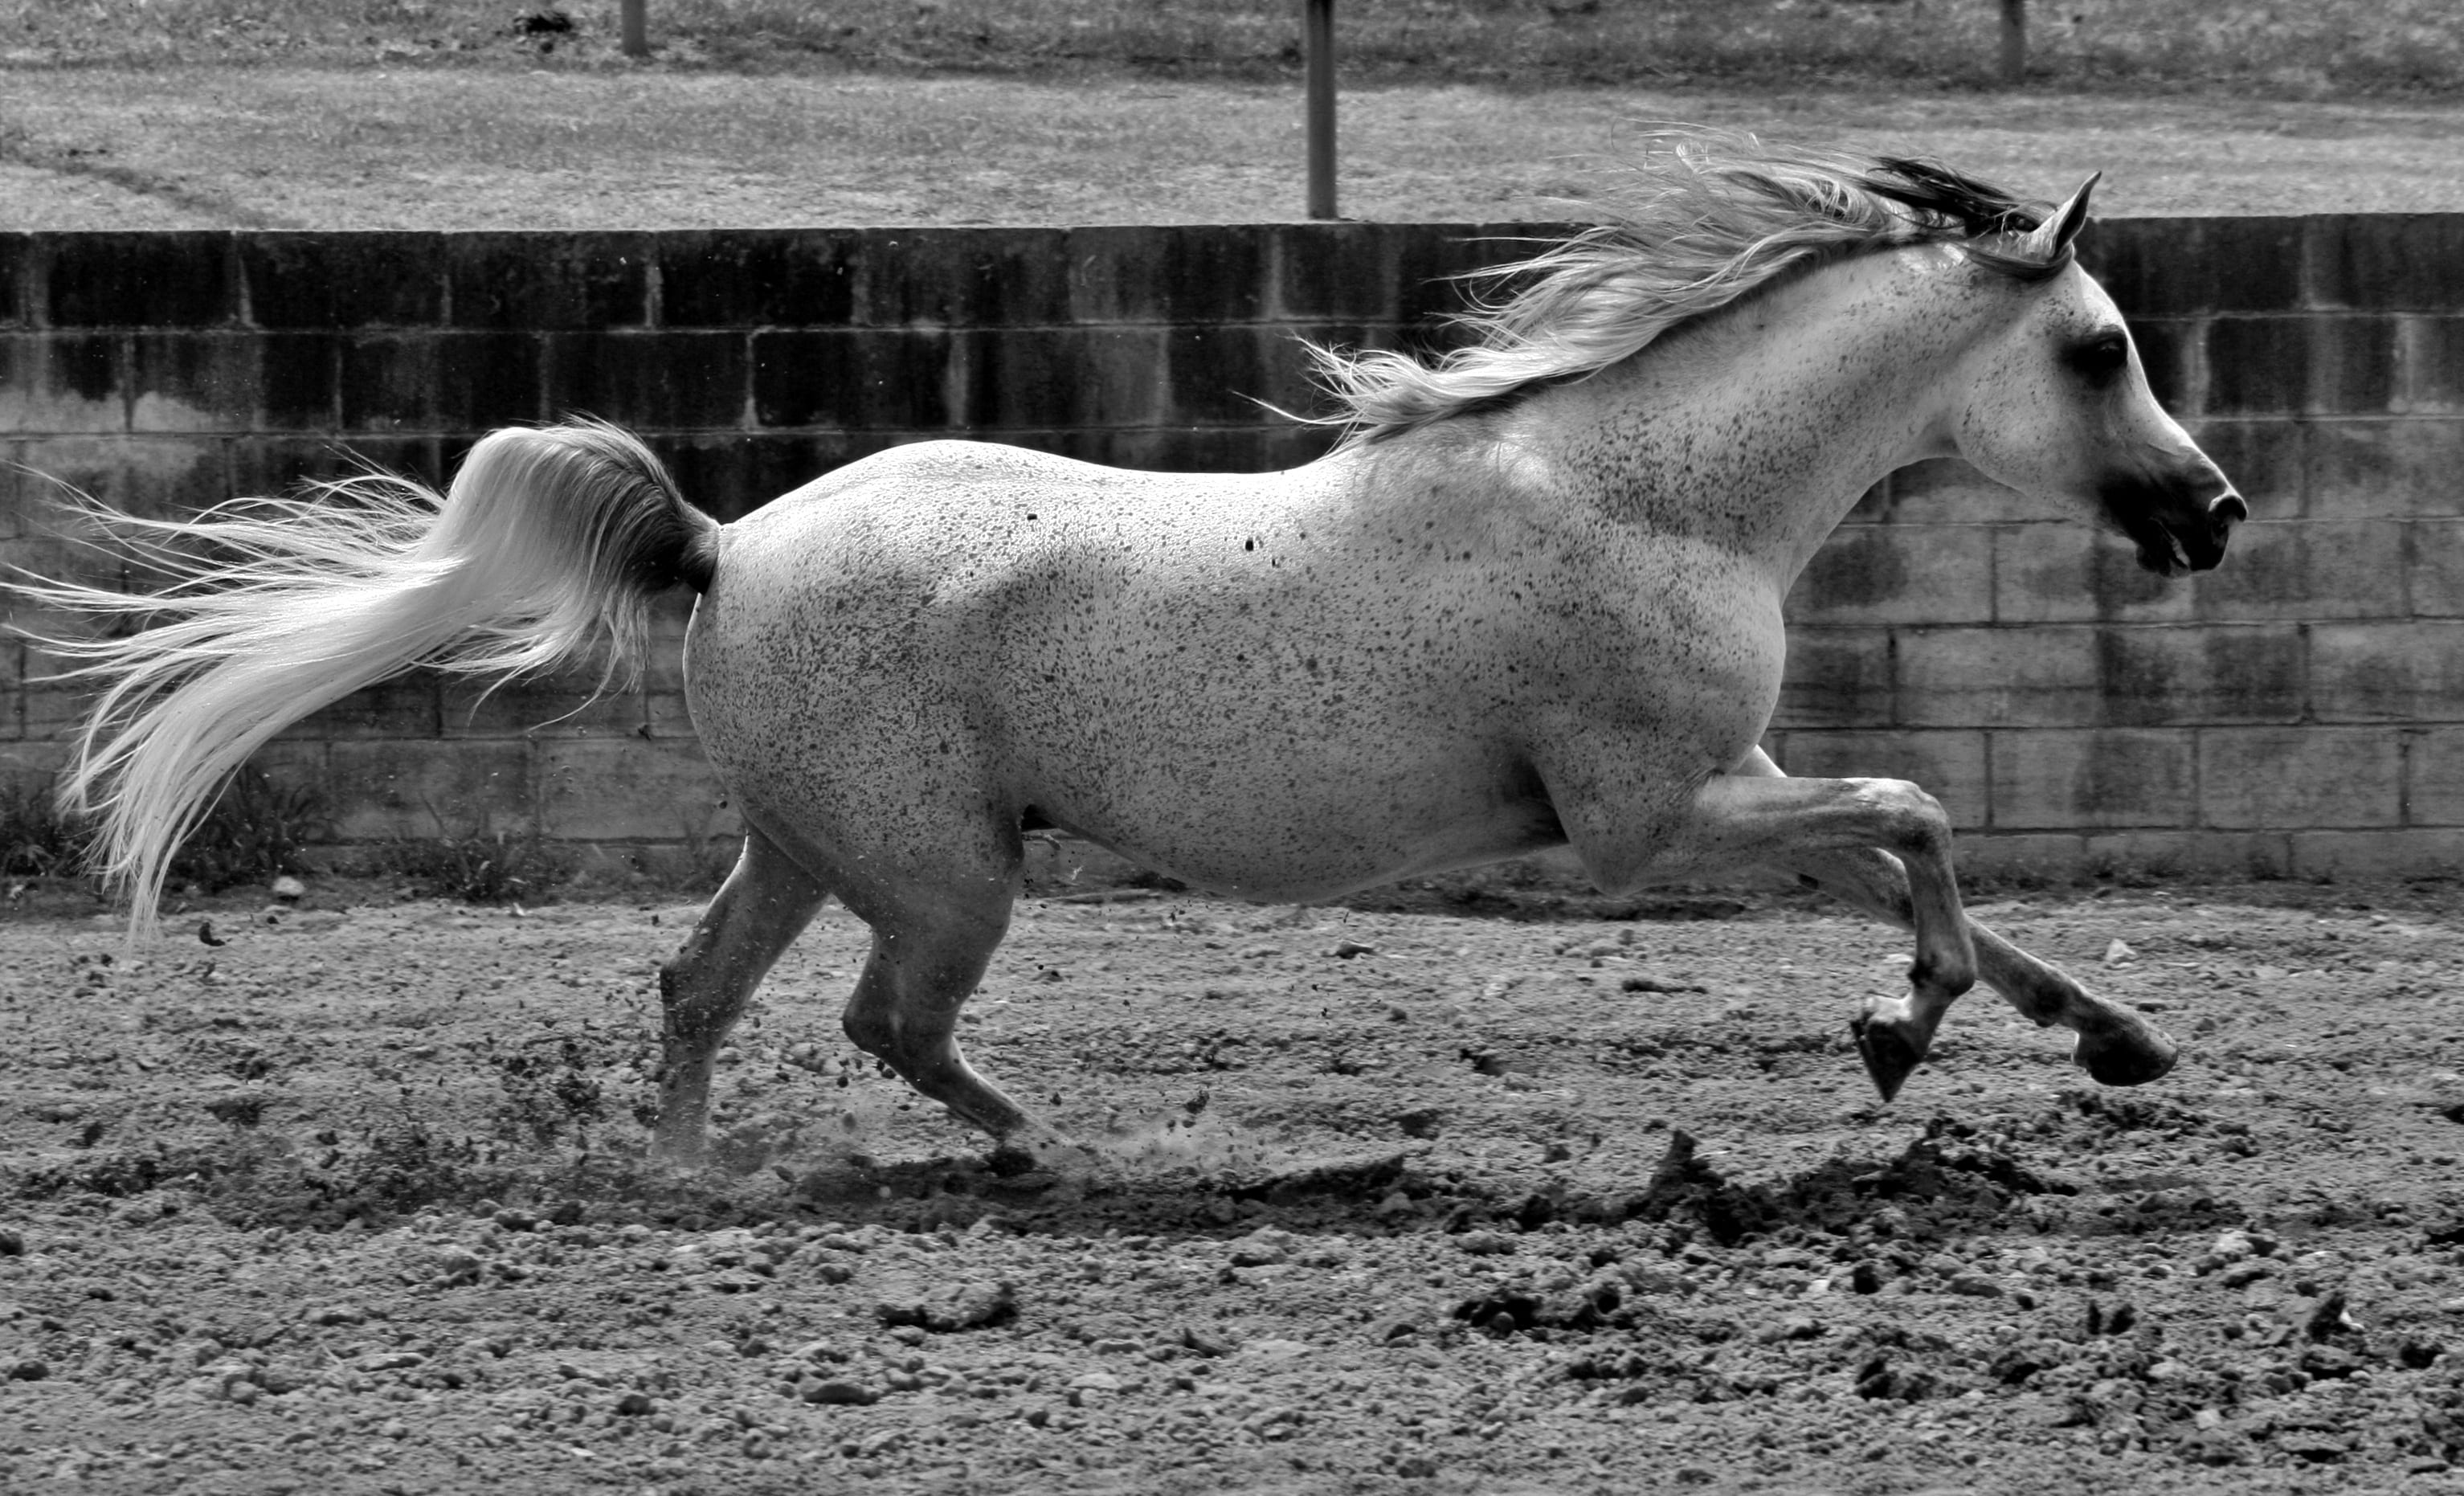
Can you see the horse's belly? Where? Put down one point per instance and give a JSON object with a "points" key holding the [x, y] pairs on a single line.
{"points": [[1222, 837], [1306, 794]]}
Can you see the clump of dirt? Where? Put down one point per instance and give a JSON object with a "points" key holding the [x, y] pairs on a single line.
{"points": [[1555, 1198]]}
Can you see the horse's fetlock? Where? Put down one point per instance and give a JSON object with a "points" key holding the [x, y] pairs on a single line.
{"points": [[1946, 976]]}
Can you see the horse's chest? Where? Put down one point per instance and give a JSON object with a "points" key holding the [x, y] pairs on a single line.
{"points": [[1689, 633]]}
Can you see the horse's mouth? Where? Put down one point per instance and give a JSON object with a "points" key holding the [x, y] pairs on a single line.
{"points": [[2178, 547], [2163, 554]]}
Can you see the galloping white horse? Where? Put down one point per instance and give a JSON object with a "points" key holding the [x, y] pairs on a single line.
{"points": [[1531, 600]]}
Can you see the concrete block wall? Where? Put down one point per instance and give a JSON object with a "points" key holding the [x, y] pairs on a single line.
{"points": [[2300, 711]]}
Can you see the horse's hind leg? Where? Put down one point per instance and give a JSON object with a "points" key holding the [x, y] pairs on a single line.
{"points": [[765, 903], [2116, 1047], [929, 951]]}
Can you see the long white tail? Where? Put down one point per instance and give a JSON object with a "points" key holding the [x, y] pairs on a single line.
{"points": [[549, 543]]}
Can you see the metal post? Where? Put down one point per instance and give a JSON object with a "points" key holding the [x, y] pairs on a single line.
{"points": [[1317, 50], [637, 28], [2014, 41]]}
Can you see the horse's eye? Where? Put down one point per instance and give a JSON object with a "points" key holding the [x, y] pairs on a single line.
{"points": [[2101, 359]]}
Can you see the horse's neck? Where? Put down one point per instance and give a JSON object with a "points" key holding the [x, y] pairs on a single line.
{"points": [[1759, 429]]}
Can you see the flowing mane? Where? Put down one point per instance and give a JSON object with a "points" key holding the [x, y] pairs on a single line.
{"points": [[1704, 219]]}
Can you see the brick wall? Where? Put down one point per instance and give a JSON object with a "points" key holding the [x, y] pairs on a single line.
{"points": [[2302, 710]]}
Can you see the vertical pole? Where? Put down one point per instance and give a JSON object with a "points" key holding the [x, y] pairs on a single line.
{"points": [[1317, 49], [2014, 41], [636, 27]]}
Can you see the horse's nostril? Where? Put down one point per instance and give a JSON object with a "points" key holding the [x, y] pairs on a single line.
{"points": [[2229, 507]]}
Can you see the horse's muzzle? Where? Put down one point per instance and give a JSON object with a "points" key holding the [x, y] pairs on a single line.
{"points": [[2189, 538]]}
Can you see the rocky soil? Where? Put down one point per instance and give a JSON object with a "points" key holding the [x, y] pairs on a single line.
{"points": [[1517, 1194]]}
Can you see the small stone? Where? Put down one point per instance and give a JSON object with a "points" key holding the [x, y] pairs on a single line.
{"points": [[836, 1392], [1348, 950], [390, 1361], [337, 1314], [13, 1243], [1261, 1248], [289, 889], [2319, 1448], [958, 1306], [2328, 1317], [636, 1404], [2119, 950], [1795, 1327], [278, 1380]]}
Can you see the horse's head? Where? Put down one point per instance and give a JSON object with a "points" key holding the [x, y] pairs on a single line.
{"points": [[2057, 403]]}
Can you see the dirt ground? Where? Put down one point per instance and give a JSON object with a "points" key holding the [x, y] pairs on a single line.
{"points": [[1495, 1192], [1507, 1193], [280, 147]]}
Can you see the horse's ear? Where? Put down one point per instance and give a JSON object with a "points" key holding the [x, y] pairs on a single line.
{"points": [[2049, 238]]}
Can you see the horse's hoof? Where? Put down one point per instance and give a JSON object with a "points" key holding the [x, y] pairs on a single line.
{"points": [[1038, 1150], [2125, 1059], [1009, 1161], [1890, 1057]]}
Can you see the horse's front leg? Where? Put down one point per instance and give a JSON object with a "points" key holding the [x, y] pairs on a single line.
{"points": [[2116, 1045], [1745, 818]]}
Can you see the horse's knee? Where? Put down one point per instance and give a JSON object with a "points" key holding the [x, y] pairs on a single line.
{"points": [[1914, 824]]}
